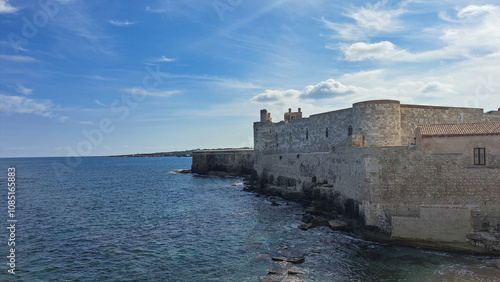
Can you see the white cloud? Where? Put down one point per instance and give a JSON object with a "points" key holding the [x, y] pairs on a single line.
{"points": [[436, 87], [323, 90], [153, 93], [17, 58], [274, 96], [474, 33], [121, 23], [370, 21], [6, 8], [162, 59], [328, 89], [360, 51], [86, 122], [23, 90], [23, 105]]}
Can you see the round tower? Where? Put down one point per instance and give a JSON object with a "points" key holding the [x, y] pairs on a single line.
{"points": [[379, 121]]}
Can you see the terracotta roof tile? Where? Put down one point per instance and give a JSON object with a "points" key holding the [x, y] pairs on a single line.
{"points": [[485, 128]]}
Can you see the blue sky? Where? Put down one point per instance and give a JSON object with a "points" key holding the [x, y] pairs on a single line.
{"points": [[120, 77]]}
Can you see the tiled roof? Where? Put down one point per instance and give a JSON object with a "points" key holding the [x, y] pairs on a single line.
{"points": [[485, 128]]}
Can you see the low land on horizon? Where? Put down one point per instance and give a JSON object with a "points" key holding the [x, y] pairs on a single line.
{"points": [[187, 153]]}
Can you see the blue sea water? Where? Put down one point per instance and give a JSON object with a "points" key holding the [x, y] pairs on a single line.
{"points": [[135, 219]]}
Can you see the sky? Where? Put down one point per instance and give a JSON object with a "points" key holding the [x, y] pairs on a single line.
{"points": [[94, 78]]}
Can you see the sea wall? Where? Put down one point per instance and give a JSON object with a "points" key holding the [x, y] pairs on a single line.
{"points": [[234, 162], [402, 192]]}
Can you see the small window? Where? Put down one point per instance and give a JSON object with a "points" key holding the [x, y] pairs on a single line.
{"points": [[307, 133], [479, 156], [326, 132], [349, 131]]}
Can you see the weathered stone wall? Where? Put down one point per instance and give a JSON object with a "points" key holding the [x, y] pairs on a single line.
{"points": [[342, 169], [464, 145], [318, 133], [379, 121], [382, 122], [234, 162], [400, 181]]}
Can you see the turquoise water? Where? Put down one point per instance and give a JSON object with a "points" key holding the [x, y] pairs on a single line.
{"points": [[134, 219]]}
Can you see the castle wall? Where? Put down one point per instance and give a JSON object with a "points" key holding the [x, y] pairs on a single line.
{"points": [[318, 133], [403, 181], [234, 162], [382, 122], [293, 173], [379, 121]]}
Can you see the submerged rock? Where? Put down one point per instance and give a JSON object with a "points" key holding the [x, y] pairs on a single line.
{"points": [[305, 226], [279, 258], [274, 204], [337, 224]]}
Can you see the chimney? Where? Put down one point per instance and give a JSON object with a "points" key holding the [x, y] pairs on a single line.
{"points": [[299, 110], [289, 110]]}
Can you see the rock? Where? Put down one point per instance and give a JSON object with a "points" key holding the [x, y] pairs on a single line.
{"points": [[305, 226], [320, 221], [183, 171], [271, 278], [274, 204], [292, 279], [295, 271], [296, 260], [307, 218], [497, 264], [280, 271], [257, 195], [337, 224], [279, 258]]}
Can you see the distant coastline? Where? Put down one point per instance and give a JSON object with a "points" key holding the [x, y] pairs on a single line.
{"points": [[187, 153]]}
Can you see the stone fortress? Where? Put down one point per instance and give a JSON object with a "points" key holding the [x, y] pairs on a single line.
{"points": [[414, 174]]}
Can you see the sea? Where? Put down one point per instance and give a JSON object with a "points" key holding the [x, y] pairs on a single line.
{"points": [[138, 219]]}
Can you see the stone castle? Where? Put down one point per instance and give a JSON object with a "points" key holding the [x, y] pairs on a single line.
{"points": [[406, 173]]}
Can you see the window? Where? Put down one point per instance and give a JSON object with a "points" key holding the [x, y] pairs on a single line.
{"points": [[307, 133], [327, 132], [479, 156], [349, 131]]}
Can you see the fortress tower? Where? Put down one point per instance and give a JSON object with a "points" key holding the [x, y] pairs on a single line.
{"points": [[379, 121]]}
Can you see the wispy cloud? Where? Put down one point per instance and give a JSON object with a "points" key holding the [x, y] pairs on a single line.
{"points": [[370, 20], [99, 103], [23, 105], [6, 8], [121, 23], [86, 122], [23, 90], [157, 11], [17, 58], [162, 59], [153, 93]]}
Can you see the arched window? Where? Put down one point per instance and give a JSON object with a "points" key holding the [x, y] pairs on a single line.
{"points": [[349, 131], [326, 133]]}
